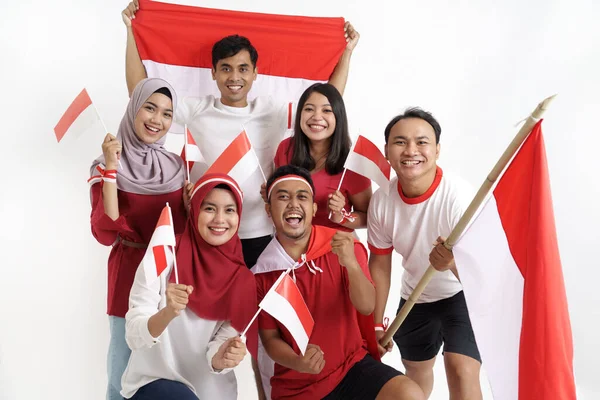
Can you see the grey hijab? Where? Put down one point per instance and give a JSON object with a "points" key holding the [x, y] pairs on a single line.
{"points": [[145, 168]]}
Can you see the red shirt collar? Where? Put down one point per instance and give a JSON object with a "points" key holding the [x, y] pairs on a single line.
{"points": [[427, 194]]}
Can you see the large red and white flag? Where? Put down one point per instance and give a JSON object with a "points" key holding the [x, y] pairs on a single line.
{"points": [[285, 303], [367, 160], [80, 115], [175, 43], [238, 160], [509, 266], [158, 254]]}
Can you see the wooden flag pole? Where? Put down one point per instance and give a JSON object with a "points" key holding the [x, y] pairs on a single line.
{"points": [[185, 149], [469, 213]]}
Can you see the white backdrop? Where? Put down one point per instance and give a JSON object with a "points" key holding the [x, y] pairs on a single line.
{"points": [[480, 66]]}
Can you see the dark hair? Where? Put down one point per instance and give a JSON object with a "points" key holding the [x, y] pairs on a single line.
{"points": [[340, 140], [165, 91], [231, 45], [415, 112], [290, 170], [223, 186]]}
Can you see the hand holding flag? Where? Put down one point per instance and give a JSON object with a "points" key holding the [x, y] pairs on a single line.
{"points": [[111, 148], [177, 298]]}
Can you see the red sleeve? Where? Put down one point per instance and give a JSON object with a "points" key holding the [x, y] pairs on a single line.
{"points": [[355, 183], [281, 156], [104, 229], [363, 259], [380, 252]]}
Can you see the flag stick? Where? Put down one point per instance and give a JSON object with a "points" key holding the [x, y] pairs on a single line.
{"points": [[339, 186], [174, 255], [277, 282], [105, 129], [469, 213], [251, 321], [185, 148]]}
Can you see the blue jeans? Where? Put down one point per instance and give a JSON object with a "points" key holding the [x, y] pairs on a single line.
{"points": [[163, 389], [118, 356]]}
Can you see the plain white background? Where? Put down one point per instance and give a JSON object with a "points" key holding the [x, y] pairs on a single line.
{"points": [[480, 66]]}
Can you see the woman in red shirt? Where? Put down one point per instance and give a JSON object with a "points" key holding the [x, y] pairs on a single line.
{"points": [[130, 184], [321, 144]]}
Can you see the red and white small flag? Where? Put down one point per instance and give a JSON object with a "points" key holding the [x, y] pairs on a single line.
{"points": [[80, 115], [285, 303], [191, 152], [366, 159], [510, 269], [158, 255], [238, 160]]}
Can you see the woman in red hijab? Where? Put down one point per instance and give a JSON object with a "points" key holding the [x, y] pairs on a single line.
{"points": [[185, 338]]}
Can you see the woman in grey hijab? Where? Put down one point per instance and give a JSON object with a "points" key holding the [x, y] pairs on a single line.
{"points": [[130, 184]]}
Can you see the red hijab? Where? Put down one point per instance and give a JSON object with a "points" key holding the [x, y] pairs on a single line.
{"points": [[224, 288]]}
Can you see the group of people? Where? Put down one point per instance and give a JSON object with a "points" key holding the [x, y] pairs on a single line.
{"points": [[172, 340]]}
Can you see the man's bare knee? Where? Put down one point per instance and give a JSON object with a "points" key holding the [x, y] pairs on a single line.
{"points": [[401, 388]]}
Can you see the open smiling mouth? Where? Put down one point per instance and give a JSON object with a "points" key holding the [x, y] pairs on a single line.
{"points": [[294, 219], [152, 129], [411, 163], [217, 230]]}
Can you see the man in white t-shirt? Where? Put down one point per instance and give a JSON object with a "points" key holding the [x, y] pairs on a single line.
{"points": [[215, 122], [422, 208]]}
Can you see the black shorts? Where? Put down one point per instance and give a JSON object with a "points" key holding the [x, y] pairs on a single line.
{"points": [[364, 380], [428, 325], [252, 248]]}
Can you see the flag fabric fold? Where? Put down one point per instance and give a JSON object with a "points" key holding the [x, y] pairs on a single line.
{"points": [[80, 115], [367, 160], [238, 160], [285, 303], [510, 268], [158, 255]]}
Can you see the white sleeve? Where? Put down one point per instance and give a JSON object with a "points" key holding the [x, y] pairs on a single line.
{"points": [[377, 236], [223, 332], [186, 110], [287, 117], [144, 302]]}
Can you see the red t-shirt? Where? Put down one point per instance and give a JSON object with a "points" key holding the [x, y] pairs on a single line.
{"points": [[336, 329], [326, 184], [138, 215]]}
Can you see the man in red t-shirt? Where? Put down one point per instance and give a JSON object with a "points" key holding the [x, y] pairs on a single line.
{"points": [[336, 364]]}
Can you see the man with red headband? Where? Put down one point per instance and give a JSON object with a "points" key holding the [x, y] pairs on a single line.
{"points": [[331, 272]]}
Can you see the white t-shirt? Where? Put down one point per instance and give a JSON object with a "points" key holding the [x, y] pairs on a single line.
{"points": [[411, 225], [182, 353], [215, 125]]}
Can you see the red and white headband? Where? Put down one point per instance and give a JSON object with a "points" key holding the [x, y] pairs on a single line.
{"points": [[290, 177], [229, 182]]}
